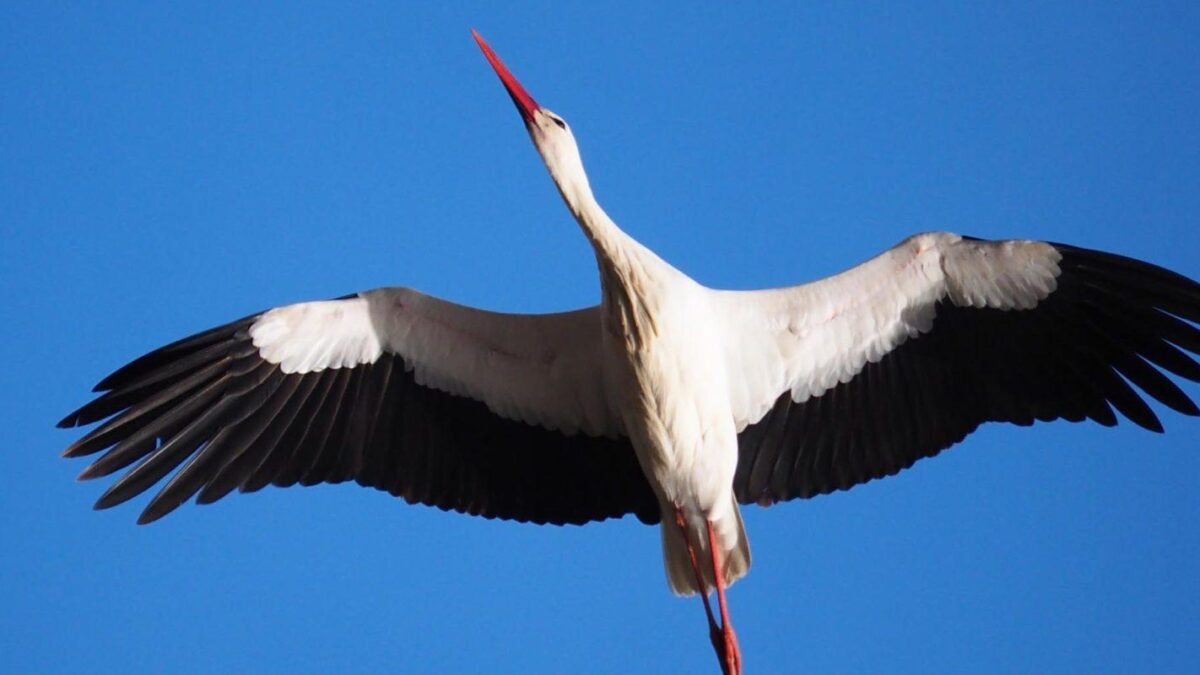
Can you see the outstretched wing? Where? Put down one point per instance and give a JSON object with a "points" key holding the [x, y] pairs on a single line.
{"points": [[859, 375], [498, 415]]}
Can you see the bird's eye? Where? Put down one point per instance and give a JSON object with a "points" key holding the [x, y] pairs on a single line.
{"points": [[561, 124]]}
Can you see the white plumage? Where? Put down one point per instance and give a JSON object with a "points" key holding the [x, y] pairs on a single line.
{"points": [[535, 368], [668, 400], [811, 337]]}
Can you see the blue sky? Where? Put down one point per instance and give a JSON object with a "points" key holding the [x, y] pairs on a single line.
{"points": [[167, 168]]}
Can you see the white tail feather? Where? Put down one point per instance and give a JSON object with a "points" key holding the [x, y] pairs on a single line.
{"points": [[735, 559]]}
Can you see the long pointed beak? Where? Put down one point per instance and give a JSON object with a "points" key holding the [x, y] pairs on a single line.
{"points": [[525, 103]]}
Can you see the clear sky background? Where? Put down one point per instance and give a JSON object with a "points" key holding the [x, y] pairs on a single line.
{"points": [[167, 168]]}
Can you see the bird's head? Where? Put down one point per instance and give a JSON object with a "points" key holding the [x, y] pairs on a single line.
{"points": [[550, 133]]}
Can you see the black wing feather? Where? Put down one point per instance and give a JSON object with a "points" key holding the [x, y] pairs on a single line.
{"points": [[208, 406], [1109, 323]]}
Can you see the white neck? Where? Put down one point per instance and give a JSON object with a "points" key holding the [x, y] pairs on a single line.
{"points": [[629, 272], [612, 245], [606, 237]]}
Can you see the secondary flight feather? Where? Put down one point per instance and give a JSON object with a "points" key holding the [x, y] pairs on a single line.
{"points": [[669, 400]]}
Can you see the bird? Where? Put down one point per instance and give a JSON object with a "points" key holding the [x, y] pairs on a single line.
{"points": [[670, 401]]}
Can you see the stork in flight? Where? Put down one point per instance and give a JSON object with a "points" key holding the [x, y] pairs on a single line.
{"points": [[669, 400]]}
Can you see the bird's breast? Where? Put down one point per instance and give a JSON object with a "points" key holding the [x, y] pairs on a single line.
{"points": [[673, 397]]}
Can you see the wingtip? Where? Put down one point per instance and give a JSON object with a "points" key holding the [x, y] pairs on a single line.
{"points": [[104, 502], [207, 496], [89, 472], [150, 514], [115, 494], [1188, 407]]}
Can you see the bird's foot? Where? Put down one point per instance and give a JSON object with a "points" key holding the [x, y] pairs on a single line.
{"points": [[717, 637], [724, 642], [733, 653]]}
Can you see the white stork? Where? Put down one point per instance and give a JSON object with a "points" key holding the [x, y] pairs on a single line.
{"points": [[669, 400]]}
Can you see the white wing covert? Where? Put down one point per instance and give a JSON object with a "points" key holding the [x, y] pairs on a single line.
{"points": [[500, 415], [540, 369], [859, 375]]}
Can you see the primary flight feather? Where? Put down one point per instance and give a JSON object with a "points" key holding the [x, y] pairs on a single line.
{"points": [[669, 400]]}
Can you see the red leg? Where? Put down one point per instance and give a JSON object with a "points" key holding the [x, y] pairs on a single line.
{"points": [[681, 521], [721, 638], [732, 664]]}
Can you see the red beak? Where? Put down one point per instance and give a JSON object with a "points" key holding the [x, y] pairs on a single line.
{"points": [[525, 103]]}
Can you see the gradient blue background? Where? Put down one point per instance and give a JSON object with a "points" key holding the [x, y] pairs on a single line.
{"points": [[167, 168]]}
